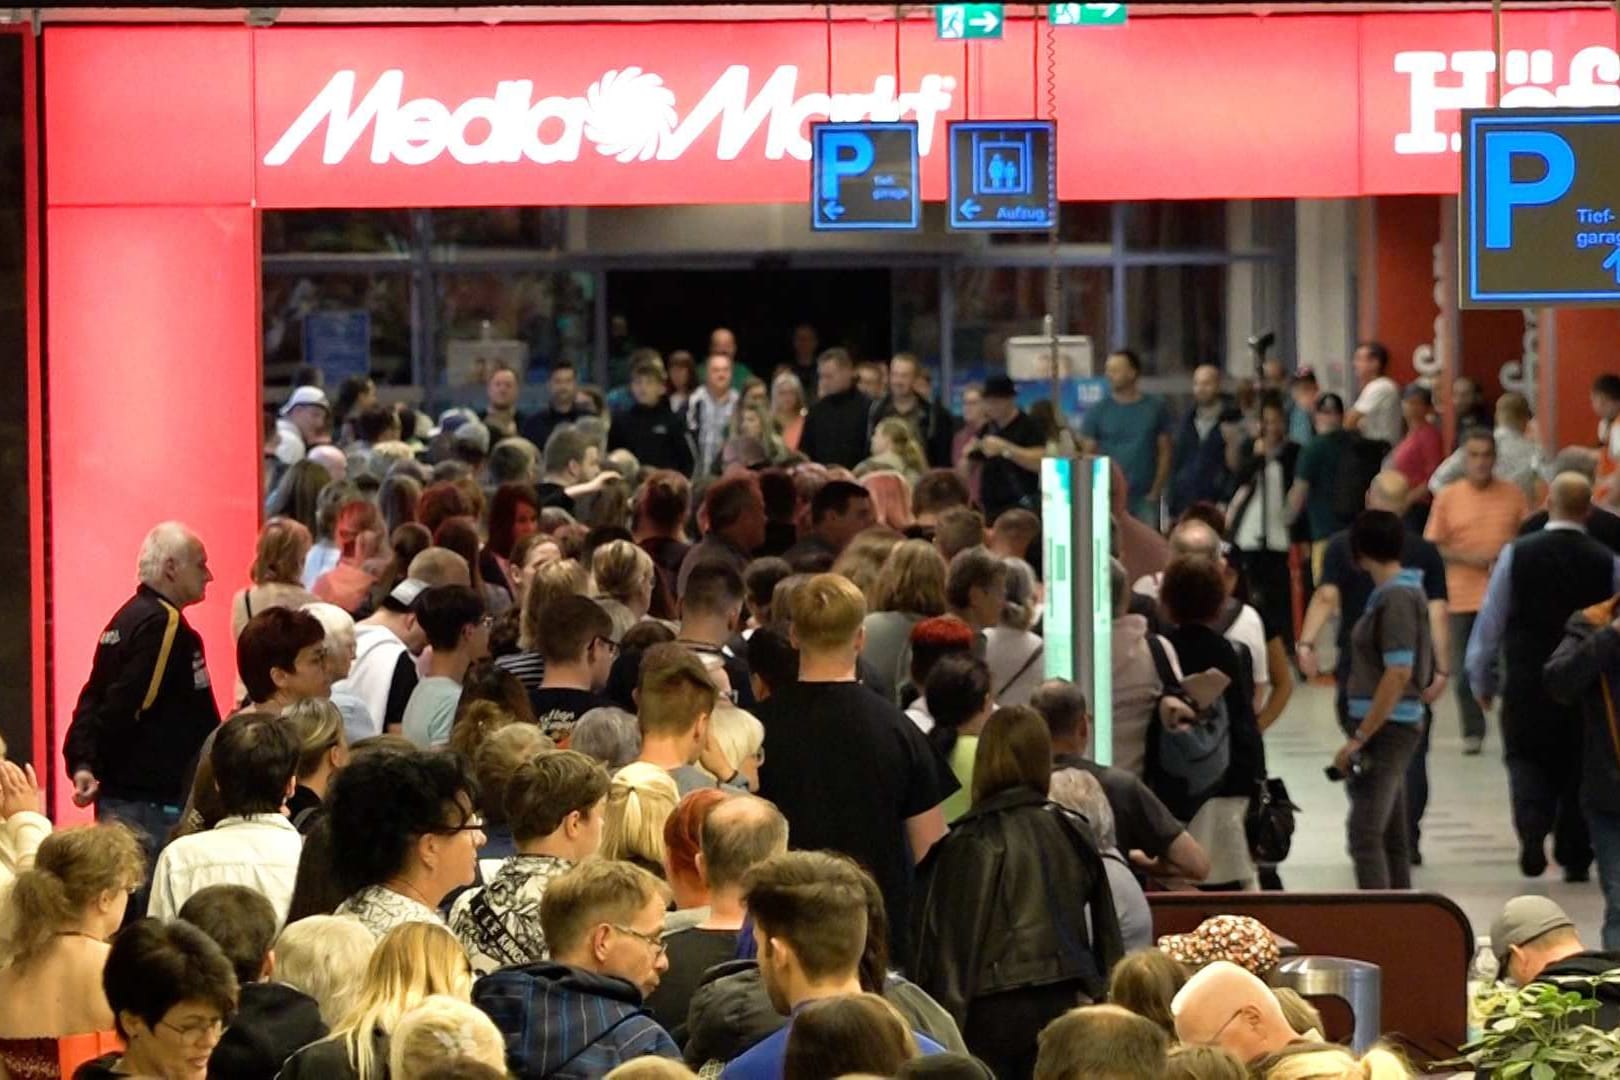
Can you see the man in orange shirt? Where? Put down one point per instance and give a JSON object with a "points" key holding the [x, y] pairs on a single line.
{"points": [[1471, 521]]}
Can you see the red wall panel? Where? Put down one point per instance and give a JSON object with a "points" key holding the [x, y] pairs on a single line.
{"points": [[154, 413], [149, 116]]}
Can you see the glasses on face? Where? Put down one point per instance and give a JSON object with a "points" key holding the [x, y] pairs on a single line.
{"points": [[607, 643], [475, 823], [1215, 1039], [196, 1032], [652, 941], [487, 622]]}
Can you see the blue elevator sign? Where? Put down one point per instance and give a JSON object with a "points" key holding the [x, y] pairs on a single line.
{"points": [[1002, 176], [1539, 207], [864, 176]]}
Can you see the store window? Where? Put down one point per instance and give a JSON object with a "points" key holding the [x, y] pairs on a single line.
{"points": [[289, 299], [539, 318], [1186, 225], [914, 294], [997, 303], [1078, 223], [336, 232], [1176, 316]]}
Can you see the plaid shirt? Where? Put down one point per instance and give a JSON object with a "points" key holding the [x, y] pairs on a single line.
{"points": [[710, 419]]}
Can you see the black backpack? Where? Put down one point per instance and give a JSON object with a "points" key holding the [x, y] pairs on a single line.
{"points": [[1359, 462]]}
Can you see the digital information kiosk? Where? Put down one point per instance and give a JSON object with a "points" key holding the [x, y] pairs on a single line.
{"points": [[1079, 614]]}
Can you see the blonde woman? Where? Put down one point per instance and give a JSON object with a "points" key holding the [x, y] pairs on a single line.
{"points": [[895, 448], [325, 956], [640, 800], [412, 963], [787, 408], [323, 749], [1324, 1062], [740, 737], [563, 577], [753, 421], [909, 589], [59, 919], [625, 578], [862, 561], [441, 1033]]}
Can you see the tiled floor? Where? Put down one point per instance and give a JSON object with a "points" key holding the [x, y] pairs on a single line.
{"points": [[1470, 852]]}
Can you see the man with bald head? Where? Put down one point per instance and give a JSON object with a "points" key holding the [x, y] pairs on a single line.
{"points": [[1223, 1005], [1198, 471], [1345, 588], [1538, 582]]}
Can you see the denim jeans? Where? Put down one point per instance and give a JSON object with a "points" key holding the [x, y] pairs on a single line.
{"points": [[1377, 824], [1605, 830], [1473, 717], [152, 822]]}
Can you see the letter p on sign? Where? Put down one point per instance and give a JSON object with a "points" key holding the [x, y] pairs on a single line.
{"points": [[849, 153], [1503, 193]]}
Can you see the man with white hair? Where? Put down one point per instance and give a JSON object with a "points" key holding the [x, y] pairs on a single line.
{"points": [[148, 705]]}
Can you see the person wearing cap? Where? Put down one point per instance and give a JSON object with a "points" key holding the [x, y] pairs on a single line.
{"points": [[1133, 428], [1010, 447], [470, 443], [1236, 939], [1316, 478], [1536, 942], [1419, 453], [383, 674], [304, 421]]}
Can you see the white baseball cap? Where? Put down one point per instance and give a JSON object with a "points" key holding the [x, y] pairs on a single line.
{"points": [[306, 395]]}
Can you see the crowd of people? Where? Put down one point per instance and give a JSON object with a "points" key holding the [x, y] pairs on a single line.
{"points": [[705, 728]]}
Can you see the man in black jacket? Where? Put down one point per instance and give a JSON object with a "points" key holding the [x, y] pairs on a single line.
{"points": [[650, 429], [1536, 942], [1538, 582], [148, 705], [930, 422], [835, 430]]}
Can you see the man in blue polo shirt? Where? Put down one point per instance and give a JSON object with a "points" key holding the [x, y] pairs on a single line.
{"points": [[809, 915]]}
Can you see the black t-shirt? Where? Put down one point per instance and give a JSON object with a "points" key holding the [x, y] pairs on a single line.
{"points": [[1003, 483], [1141, 820], [848, 769], [400, 690], [557, 709], [552, 494], [691, 954], [1355, 585]]}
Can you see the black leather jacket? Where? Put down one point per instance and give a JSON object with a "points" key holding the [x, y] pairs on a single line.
{"points": [[1004, 903]]}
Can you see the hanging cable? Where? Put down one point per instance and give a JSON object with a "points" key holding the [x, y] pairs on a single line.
{"points": [[1054, 290]]}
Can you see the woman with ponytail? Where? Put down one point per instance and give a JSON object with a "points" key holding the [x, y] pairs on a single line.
{"points": [[958, 693], [57, 921]]}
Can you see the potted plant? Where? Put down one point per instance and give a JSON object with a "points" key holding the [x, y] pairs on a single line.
{"points": [[1540, 1032]]}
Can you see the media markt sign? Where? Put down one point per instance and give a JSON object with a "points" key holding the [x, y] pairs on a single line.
{"points": [[1086, 14], [966, 22]]}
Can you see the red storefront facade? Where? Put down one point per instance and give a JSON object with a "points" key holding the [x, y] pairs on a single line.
{"points": [[162, 144]]}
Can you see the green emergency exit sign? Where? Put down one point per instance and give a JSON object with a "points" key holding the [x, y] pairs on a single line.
{"points": [[967, 22], [1086, 14]]}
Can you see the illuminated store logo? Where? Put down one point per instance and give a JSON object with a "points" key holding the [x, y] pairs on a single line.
{"points": [[1531, 80], [628, 115]]}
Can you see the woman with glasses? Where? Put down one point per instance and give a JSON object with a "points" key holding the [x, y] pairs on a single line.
{"points": [[405, 833], [62, 912], [412, 963], [172, 992]]}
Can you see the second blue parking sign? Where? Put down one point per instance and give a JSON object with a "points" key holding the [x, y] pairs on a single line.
{"points": [[1001, 176], [864, 176]]}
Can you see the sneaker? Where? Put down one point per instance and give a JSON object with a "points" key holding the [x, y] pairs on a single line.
{"points": [[1473, 744]]}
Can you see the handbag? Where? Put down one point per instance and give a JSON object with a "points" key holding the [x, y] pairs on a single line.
{"points": [[1269, 821]]}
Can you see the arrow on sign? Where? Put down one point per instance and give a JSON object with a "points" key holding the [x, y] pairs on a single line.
{"points": [[1106, 11], [1613, 263], [971, 210], [986, 21], [833, 210]]}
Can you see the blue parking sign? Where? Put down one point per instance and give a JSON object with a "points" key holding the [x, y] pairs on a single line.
{"points": [[864, 177]]}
